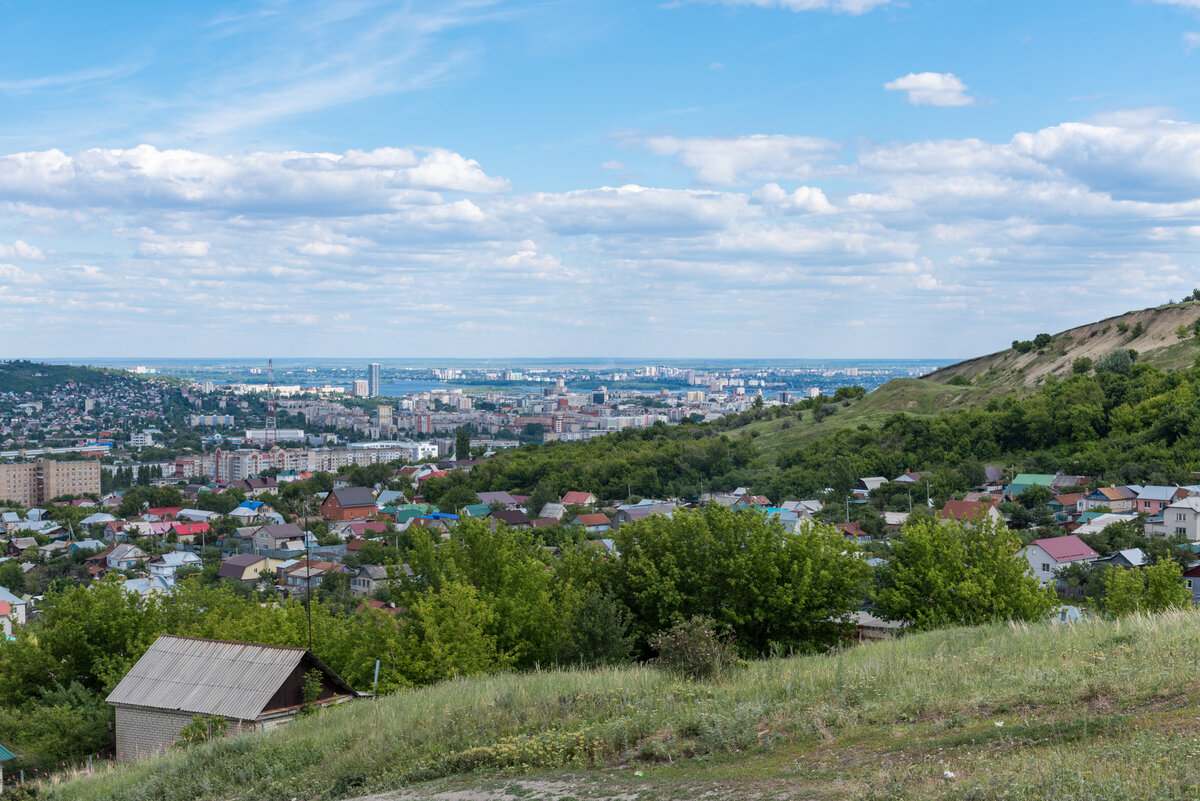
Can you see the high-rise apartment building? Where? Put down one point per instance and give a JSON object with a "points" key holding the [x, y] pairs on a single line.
{"points": [[36, 483], [373, 385]]}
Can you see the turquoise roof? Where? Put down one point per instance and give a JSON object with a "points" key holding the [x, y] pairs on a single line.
{"points": [[6, 755]]}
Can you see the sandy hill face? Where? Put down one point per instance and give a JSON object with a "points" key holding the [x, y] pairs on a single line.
{"points": [[1157, 342]]}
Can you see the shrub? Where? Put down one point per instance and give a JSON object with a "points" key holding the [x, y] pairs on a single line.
{"points": [[1181, 332], [1123, 328], [200, 730], [1042, 340], [1119, 361], [694, 649], [1022, 346], [959, 381], [1081, 366]]}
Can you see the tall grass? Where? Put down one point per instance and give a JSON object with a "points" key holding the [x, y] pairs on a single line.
{"points": [[1061, 687]]}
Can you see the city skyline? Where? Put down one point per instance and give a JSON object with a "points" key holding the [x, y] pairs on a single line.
{"points": [[780, 178]]}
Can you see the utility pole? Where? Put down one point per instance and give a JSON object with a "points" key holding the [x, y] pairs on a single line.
{"points": [[847, 508], [308, 586]]}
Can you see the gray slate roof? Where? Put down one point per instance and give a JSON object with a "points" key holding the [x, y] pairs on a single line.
{"points": [[210, 677]]}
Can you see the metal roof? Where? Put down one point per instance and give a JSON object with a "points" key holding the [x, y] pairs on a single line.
{"points": [[210, 677]]}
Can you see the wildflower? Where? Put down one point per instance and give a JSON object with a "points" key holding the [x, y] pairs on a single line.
{"points": [[949, 774], [999, 724]]}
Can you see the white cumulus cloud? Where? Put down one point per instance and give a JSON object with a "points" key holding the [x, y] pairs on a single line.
{"points": [[735, 160], [804, 200], [21, 250], [932, 89]]}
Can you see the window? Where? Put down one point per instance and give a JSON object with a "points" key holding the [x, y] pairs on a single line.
{"points": [[1180, 530], [1045, 567], [1188, 582]]}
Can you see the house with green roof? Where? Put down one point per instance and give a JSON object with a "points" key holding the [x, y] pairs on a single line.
{"points": [[475, 510], [1024, 481], [5, 756]]}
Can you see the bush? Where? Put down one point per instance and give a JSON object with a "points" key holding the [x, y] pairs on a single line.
{"points": [[1123, 328], [1022, 346], [694, 649], [960, 381], [1081, 366], [1119, 362], [1042, 340]]}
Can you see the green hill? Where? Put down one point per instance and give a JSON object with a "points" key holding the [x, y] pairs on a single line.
{"points": [[1154, 333], [26, 376], [1098, 709]]}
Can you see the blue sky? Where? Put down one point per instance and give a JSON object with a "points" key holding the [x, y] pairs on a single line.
{"points": [[766, 178]]}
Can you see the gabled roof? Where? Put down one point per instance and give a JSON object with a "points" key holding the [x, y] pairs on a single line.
{"points": [[354, 497], [489, 498], [286, 531], [593, 520], [577, 499], [965, 510], [1066, 549], [212, 677], [512, 517], [1157, 493]]}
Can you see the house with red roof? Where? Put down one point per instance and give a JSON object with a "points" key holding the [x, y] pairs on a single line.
{"points": [[969, 511], [593, 524], [1047, 555], [578, 499], [186, 532]]}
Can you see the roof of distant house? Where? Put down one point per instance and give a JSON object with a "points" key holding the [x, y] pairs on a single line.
{"points": [[512, 517], [965, 510], [577, 499], [594, 520], [1066, 549], [354, 497]]}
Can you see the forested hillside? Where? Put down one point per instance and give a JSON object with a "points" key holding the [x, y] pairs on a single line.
{"points": [[1122, 420]]}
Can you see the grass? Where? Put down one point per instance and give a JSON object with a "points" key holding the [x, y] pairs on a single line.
{"points": [[1098, 709], [910, 395]]}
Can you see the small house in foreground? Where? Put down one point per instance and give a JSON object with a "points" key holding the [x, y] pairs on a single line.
{"points": [[254, 687]]}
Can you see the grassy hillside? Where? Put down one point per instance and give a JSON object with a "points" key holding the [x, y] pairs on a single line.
{"points": [[1158, 344], [911, 395], [24, 376], [1094, 710]]}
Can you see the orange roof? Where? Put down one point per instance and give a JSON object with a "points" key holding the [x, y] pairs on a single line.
{"points": [[965, 510], [594, 520]]}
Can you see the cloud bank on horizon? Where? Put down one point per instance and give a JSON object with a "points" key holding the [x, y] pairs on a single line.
{"points": [[346, 207]]}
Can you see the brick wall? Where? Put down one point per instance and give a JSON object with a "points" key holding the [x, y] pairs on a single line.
{"points": [[145, 732]]}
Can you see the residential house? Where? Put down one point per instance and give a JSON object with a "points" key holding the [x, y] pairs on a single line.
{"points": [[1128, 558], [367, 578], [17, 546], [628, 513], [1024, 481], [491, 499], [865, 485], [53, 549], [125, 557], [853, 531], [165, 565], [1179, 517], [1045, 556], [253, 687], [594, 523], [160, 513], [1096, 524], [969, 511], [146, 586], [97, 519], [1116, 499], [87, 545], [349, 503], [514, 518], [577, 499], [249, 511], [1191, 580], [554, 510], [246, 567], [254, 487], [12, 612], [281, 537], [1153, 500], [476, 510], [189, 532], [196, 515]]}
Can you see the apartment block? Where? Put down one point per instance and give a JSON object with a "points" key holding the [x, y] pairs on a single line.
{"points": [[35, 483]]}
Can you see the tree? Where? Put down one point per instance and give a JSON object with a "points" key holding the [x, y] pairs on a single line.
{"points": [[12, 577], [1081, 365], [773, 588], [950, 573], [462, 444], [599, 633], [1154, 588]]}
